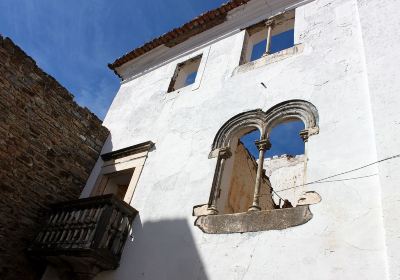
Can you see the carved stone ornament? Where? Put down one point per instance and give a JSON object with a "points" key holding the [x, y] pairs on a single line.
{"points": [[265, 121], [309, 198]]}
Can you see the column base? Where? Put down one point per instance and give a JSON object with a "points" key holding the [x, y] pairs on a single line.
{"points": [[254, 208], [212, 211]]}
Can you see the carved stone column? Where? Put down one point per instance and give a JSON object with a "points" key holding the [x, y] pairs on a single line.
{"points": [[304, 135], [223, 154], [269, 25], [262, 145]]}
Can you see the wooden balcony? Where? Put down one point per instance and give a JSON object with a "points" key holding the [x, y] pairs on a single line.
{"points": [[85, 236]]}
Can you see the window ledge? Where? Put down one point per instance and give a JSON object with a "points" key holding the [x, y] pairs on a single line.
{"points": [[269, 59], [255, 221], [187, 88]]}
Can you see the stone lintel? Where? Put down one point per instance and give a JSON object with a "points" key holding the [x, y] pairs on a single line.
{"points": [[142, 147]]}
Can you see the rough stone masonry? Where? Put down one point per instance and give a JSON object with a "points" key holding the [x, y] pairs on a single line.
{"points": [[48, 146]]}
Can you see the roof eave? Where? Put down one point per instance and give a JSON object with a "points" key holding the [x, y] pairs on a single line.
{"points": [[178, 35]]}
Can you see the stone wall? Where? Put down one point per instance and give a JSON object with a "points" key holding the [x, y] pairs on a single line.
{"points": [[48, 146], [242, 182]]}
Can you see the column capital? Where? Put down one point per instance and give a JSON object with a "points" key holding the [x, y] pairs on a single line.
{"points": [[269, 22], [263, 144], [306, 133], [224, 153]]}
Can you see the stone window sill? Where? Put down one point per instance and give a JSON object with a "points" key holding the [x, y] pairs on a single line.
{"points": [[187, 88], [254, 221], [269, 59]]}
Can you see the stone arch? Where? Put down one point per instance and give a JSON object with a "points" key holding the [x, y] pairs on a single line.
{"points": [[293, 109], [265, 121], [254, 118], [210, 220]]}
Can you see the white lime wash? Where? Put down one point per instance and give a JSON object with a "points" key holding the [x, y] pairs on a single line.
{"points": [[345, 62]]}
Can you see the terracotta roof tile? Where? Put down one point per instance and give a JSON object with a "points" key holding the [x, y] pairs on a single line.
{"points": [[178, 35]]}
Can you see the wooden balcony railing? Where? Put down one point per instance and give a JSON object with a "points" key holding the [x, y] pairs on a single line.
{"points": [[85, 236]]}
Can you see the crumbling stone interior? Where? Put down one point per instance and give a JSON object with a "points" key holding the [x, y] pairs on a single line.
{"points": [[285, 163], [287, 174], [237, 186], [240, 172]]}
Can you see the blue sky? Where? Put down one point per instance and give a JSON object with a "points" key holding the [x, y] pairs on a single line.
{"points": [[74, 40], [279, 42], [285, 139]]}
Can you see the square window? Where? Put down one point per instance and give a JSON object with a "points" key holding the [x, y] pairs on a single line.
{"points": [[185, 74], [268, 37]]}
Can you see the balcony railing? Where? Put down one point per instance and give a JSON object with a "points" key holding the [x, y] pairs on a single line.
{"points": [[85, 236]]}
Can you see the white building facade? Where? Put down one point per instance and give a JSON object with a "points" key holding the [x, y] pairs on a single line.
{"points": [[339, 77]]}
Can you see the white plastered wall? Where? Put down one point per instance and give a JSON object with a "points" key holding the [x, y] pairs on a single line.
{"points": [[380, 22], [344, 240]]}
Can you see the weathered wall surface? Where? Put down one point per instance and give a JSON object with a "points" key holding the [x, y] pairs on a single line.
{"points": [[345, 238], [241, 187], [378, 19], [48, 146]]}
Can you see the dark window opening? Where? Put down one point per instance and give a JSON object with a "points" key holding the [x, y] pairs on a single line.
{"points": [[117, 183]]}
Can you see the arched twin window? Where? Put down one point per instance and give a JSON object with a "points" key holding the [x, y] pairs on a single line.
{"points": [[240, 182]]}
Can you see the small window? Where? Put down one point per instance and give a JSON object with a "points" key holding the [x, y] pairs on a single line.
{"points": [[121, 170], [185, 74], [269, 37]]}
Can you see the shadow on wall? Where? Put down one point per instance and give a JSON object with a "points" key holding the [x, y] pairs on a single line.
{"points": [[162, 250]]}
